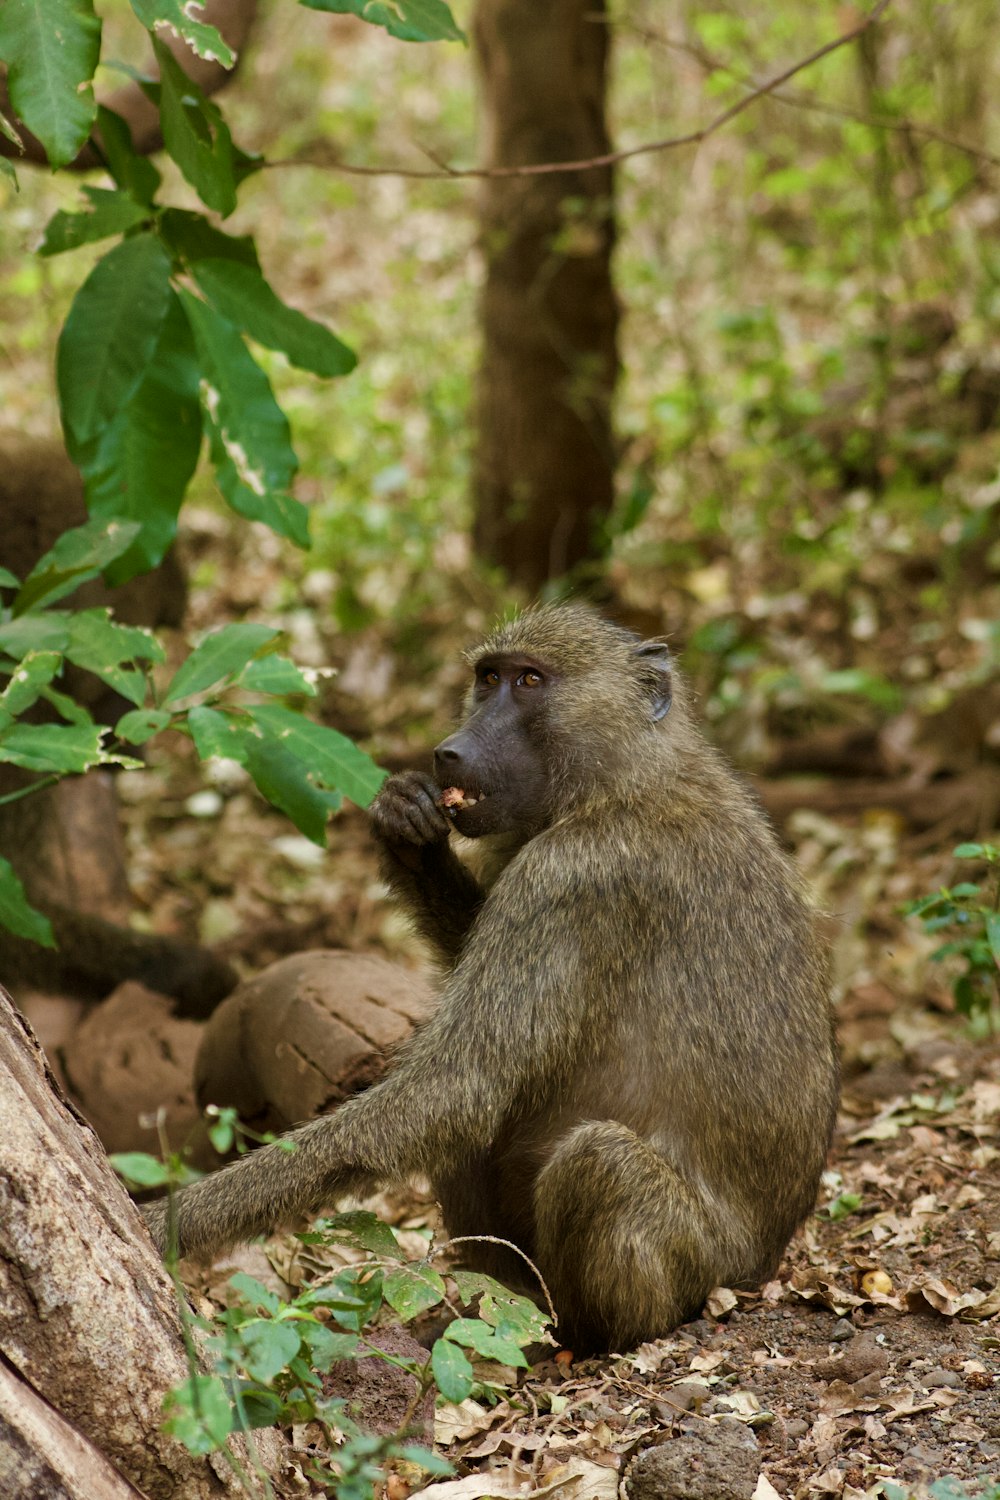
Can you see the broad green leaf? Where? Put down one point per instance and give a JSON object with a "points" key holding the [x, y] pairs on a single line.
{"points": [[268, 1347], [219, 656], [240, 294], [43, 632], [413, 1289], [485, 1341], [110, 334], [251, 446], [409, 20], [286, 782], [255, 1292], [8, 171], [172, 15], [58, 747], [139, 466], [191, 237], [353, 1302], [969, 851], [413, 1453], [258, 1408], [219, 734], [452, 1371], [140, 1168], [334, 761], [110, 212], [35, 672], [277, 675], [78, 554], [8, 580], [195, 134], [362, 1230], [15, 912], [135, 174], [51, 48], [199, 1413], [103, 647], [141, 724], [510, 1314], [325, 1346]]}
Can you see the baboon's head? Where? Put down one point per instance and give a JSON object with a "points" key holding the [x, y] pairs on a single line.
{"points": [[562, 701]]}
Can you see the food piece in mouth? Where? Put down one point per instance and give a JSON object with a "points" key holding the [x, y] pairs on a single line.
{"points": [[454, 800]]}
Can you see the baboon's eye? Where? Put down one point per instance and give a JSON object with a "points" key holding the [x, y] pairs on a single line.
{"points": [[490, 677], [530, 679]]}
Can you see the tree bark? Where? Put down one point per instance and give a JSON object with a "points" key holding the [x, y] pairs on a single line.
{"points": [[90, 1338], [545, 456]]}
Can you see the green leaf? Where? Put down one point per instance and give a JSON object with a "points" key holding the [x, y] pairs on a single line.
{"points": [[135, 174], [139, 465], [286, 782], [335, 762], [362, 1230], [251, 446], [44, 632], [511, 1315], [77, 555], [412, 1289], [35, 672], [110, 212], [101, 646], [219, 656], [486, 1342], [51, 48], [268, 1347], [172, 15], [109, 337], [452, 1371], [191, 237], [199, 1413], [17, 915], [240, 294], [277, 675], [325, 1347], [7, 579], [409, 20], [140, 1169], [353, 1302], [195, 134], [993, 935], [219, 734], [969, 851], [258, 1408], [255, 1292], [8, 171], [141, 724], [413, 1453], [58, 747]]}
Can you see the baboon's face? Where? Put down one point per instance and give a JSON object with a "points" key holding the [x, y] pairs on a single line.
{"points": [[497, 759]]}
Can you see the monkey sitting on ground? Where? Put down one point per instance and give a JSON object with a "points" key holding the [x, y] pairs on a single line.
{"points": [[631, 1072]]}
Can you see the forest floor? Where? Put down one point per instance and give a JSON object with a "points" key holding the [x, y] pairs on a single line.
{"points": [[872, 1357]]}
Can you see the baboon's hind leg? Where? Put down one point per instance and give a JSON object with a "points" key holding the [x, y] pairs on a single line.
{"points": [[622, 1240]]}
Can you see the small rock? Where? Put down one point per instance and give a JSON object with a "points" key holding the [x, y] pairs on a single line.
{"points": [[684, 1396], [935, 1378], [863, 1357], [842, 1330], [718, 1462], [796, 1428]]}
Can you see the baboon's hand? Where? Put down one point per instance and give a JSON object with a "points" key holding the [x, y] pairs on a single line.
{"points": [[406, 811]]}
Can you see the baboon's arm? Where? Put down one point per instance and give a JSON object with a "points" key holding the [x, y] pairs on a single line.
{"points": [[494, 1036], [434, 887]]}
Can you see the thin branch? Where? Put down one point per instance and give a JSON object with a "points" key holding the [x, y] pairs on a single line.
{"points": [[612, 158], [902, 125]]}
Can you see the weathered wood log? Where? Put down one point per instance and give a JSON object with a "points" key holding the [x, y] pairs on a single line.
{"points": [[89, 1324]]}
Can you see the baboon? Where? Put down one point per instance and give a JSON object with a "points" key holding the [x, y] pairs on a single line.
{"points": [[631, 1071]]}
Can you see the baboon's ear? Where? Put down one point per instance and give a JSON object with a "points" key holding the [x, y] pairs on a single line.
{"points": [[655, 672]]}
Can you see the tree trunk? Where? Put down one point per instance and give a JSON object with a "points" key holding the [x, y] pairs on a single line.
{"points": [[90, 1337], [545, 457]]}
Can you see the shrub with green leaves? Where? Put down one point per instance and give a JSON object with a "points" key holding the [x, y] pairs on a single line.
{"points": [[268, 1356], [228, 696], [969, 914]]}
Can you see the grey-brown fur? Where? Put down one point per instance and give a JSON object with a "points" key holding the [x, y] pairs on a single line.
{"points": [[631, 1071]]}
